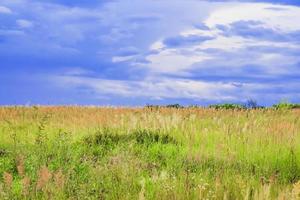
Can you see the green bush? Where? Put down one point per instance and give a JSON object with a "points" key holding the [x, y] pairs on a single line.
{"points": [[177, 106], [227, 106], [286, 105], [174, 106]]}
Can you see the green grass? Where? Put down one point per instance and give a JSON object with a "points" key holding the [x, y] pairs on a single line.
{"points": [[163, 153]]}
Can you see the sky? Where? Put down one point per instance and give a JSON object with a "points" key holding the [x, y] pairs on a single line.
{"points": [[138, 52]]}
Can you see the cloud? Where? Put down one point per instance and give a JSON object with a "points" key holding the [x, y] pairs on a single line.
{"points": [[76, 71], [276, 8], [256, 29], [286, 2], [80, 3], [23, 23], [283, 21], [276, 2], [173, 61], [175, 88], [128, 51], [143, 19], [5, 10], [11, 32], [215, 51], [154, 89], [117, 59], [253, 54], [230, 41], [179, 41], [201, 26]]}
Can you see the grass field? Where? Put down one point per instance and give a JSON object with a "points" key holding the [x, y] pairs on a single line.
{"points": [[149, 153]]}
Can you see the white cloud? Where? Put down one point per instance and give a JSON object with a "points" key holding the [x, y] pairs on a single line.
{"points": [[106, 30], [225, 43], [5, 10], [158, 45], [23, 23], [233, 50], [173, 88], [76, 71], [7, 32], [117, 59], [172, 61], [153, 88], [284, 19]]}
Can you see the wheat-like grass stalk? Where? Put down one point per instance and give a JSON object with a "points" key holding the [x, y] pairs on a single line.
{"points": [[59, 179], [44, 176], [296, 191], [25, 185], [8, 180], [20, 166]]}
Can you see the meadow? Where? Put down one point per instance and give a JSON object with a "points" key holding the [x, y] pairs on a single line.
{"points": [[149, 153]]}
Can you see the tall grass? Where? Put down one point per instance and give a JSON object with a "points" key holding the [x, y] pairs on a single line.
{"points": [[146, 153]]}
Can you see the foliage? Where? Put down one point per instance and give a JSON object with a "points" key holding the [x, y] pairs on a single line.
{"points": [[227, 106], [177, 106], [174, 106], [286, 105]]}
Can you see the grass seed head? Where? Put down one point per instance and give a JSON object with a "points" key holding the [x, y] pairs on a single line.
{"points": [[296, 190], [44, 176], [59, 179], [20, 166], [8, 179], [25, 185]]}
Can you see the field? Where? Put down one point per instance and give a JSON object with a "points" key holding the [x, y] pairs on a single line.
{"points": [[149, 153]]}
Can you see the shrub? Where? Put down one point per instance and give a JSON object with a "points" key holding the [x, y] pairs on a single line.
{"points": [[152, 107], [174, 106], [286, 105], [177, 106], [227, 106], [107, 138]]}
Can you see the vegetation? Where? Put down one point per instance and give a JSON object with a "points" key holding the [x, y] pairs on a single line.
{"points": [[286, 105], [145, 153], [174, 106], [227, 106], [177, 106]]}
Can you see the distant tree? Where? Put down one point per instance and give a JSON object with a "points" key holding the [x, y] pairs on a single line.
{"points": [[174, 106], [227, 106], [194, 106], [252, 104], [152, 107]]}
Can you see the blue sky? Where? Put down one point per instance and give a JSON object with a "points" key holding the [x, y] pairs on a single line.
{"points": [[134, 52]]}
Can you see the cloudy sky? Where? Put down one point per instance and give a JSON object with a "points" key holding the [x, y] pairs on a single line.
{"points": [[134, 52]]}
